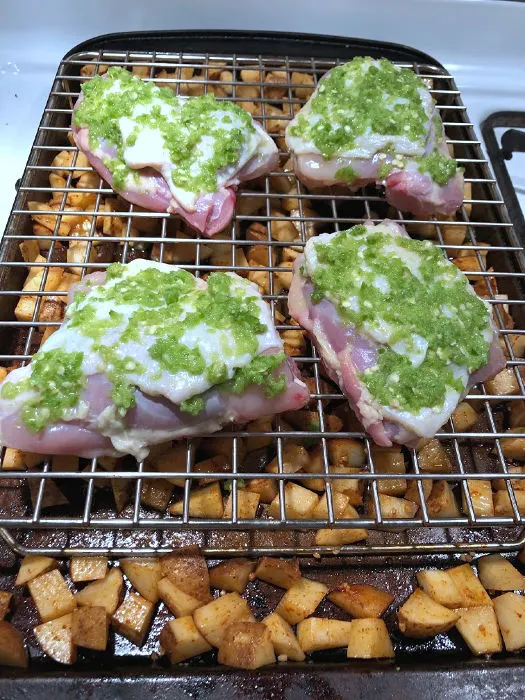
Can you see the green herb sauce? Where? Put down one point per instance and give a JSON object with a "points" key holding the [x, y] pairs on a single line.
{"points": [[182, 124], [440, 167], [365, 274]]}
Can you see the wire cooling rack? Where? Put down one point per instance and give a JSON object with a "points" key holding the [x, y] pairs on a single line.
{"points": [[66, 506]]}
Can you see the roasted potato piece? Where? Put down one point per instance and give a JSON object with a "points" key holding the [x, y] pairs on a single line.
{"points": [[87, 568], [510, 612], [279, 572], [351, 487], [469, 586], [12, 648], [335, 537], [412, 492], [299, 503], [203, 503], [266, 488], [232, 574], [393, 507], [5, 601], [51, 595], [464, 417], [181, 640], [517, 484], [303, 93], [156, 494], [346, 452], [361, 600], [433, 458], [213, 619], [441, 503], [481, 497], [479, 628], [498, 574], [420, 616], [301, 600], [34, 565], [176, 600], [246, 645], [133, 618], [440, 586], [144, 574], [390, 460], [89, 628], [503, 384], [283, 638], [514, 447], [105, 593], [247, 504], [188, 570], [56, 639], [369, 639], [317, 633], [339, 501], [294, 458], [503, 505]]}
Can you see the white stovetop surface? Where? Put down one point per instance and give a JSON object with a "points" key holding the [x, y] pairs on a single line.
{"points": [[481, 42]]}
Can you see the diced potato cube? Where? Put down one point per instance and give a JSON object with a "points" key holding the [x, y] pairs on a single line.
{"points": [[301, 600], [203, 503], [464, 417], [498, 574], [412, 492], [156, 493], [213, 619], [88, 568], [32, 566], [510, 611], [481, 496], [361, 600], [232, 574], [246, 645], [503, 504], [442, 503], [514, 447], [346, 452], [420, 616], [181, 640], [433, 458], [335, 537], [132, 619], [279, 572], [12, 649], [299, 503], [340, 503], [266, 488], [294, 458], [440, 586], [517, 484], [90, 628], [144, 574], [469, 586], [247, 504], [351, 487], [5, 602], [56, 639], [51, 595], [317, 633], [479, 628], [503, 384], [188, 570], [104, 593], [369, 639], [393, 507], [176, 600], [283, 637]]}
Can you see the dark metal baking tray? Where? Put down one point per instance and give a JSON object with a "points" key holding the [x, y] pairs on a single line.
{"points": [[441, 665]]}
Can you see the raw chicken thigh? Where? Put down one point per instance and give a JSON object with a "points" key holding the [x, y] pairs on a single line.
{"points": [[370, 121], [182, 155], [149, 353], [398, 327]]}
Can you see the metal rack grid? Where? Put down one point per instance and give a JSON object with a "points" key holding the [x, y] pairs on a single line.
{"points": [[87, 527]]}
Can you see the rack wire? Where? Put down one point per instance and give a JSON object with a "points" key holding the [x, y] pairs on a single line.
{"points": [[85, 520]]}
